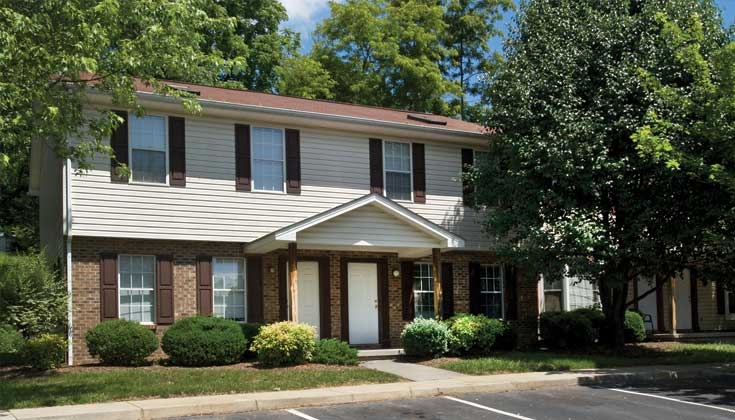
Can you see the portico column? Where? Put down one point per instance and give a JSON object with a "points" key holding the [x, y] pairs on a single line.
{"points": [[293, 281], [673, 304], [436, 269]]}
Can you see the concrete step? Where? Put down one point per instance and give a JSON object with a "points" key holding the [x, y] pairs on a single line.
{"points": [[379, 354]]}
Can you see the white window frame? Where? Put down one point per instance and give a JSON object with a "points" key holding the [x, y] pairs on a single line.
{"points": [[418, 292], [252, 159], [132, 115], [562, 291], [728, 315], [244, 290], [410, 170], [483, 267], [155, 281]]}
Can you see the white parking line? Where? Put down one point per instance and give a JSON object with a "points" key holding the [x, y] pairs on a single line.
{"points": [[302, 415], [672, 399], [494, 410]]}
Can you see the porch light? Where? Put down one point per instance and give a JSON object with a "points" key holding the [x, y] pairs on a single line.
{"points": [[396, 273]]}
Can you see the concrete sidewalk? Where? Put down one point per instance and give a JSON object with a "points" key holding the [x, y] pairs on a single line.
{"points": [[412, 371], [234, 403]]}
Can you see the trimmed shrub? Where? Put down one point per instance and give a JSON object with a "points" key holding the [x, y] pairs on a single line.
{"points": [[566, 330], [121, 342], [284, 343], [634, 328], [331, 351], [425, 337], [463, 333], [507, 339], [204, 341], [11, 345], [44, 352], [479, 335], [596, 317], [32, 295], [249, 331]]}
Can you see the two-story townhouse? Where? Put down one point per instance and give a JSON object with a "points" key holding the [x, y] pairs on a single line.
{"points": [[263, 208]]}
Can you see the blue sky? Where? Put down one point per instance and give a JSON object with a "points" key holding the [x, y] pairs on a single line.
{"points": [[305, 14]]}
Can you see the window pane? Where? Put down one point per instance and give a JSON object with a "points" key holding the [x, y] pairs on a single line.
{"points": [[229, 288], [423, 291], [137, 284], [398, 185], [148, 166], [552, 301], [148, 133], [268, 175], [397, 156]]}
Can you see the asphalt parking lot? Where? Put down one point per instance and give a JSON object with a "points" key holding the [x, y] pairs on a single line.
{"points": [[711, 399]]}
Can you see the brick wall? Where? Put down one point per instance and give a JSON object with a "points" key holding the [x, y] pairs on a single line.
{"points": [[86, 279]]}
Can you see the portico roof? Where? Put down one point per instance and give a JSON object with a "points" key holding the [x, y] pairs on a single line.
{"points": [[369, 223]]}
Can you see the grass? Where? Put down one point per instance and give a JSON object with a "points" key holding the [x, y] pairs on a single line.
{"points": [[640, 355], [89, 385]]}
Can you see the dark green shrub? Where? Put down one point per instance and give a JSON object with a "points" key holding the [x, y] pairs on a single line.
{"points": [[596, 317], [425, 337], [507, 339], [249, 331], [11, 345], [44, 352], [284, 343], [331, 351], [203, 341], [32, 295], [121, 343], [634, 328], [478, 334], [566, 330]]}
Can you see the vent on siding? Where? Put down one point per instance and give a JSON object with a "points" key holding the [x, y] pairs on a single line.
{"points": [[425, 119]]}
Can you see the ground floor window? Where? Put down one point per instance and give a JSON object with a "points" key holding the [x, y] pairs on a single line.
{"points": [[491, 290], [553, 295], [423, 290], [136, 281], [228, 284]]}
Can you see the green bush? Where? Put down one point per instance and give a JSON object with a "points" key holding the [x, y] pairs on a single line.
{"points": [[284, 343], [121, 343], [566, 330], [463, 333], [249, 331], [32, 295], [478, 334], [634, 328], [596, 317], [11, 345], [507, 339], [44, 352], [330, 351], [203, 341], [425, 337]]}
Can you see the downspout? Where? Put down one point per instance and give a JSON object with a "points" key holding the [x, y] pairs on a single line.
{"points": [[67, 228]]}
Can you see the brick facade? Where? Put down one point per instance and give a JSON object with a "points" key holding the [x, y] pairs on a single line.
{"points": [[86, 283]]}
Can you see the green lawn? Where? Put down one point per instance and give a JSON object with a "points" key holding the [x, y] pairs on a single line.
{"points": [[89, 385], [540, 361]]}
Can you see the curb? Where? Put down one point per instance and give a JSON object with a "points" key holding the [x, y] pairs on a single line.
{"points": [[237, 403]]}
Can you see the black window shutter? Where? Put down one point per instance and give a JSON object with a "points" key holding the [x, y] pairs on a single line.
{"points": [[720, 297], [164, 290], [119, 144], [177, 151], [475, 288], [407, 290], [242, 157], [468, 190], [419, 173], [511, 292], [108, 287], [293, 161], [204, 285], [283, 288], [376, 166], [254, 288], [447, 280]]}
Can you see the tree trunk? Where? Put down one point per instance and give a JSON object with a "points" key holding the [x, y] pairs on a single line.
{"points": [[613, 296]]}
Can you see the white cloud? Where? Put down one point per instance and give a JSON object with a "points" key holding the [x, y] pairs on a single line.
{"points": [[304, 10]]}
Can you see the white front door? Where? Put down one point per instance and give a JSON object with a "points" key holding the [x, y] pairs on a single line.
{"points": [[362, 302], [308, 272], [683, 302], [647, 305]]}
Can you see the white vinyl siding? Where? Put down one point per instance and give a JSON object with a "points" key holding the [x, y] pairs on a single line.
{"points": [[335, 169], [148, 161], [397, 163], [423, 290], [491, 290], [136, 282], [228, 287], [268, 153]]}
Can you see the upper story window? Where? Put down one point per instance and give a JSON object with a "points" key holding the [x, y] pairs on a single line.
{"points": [[148, 149], [268, 159], [397, 158], [491, 290], [228, 286], [136, 281], [423, 290]]}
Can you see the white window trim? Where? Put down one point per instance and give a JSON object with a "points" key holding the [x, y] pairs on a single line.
{"points": [[410, 169], [155, 281], [415, 292], [728, 315], [502, 287], [252, 159], [130, 150], [244, 290]]}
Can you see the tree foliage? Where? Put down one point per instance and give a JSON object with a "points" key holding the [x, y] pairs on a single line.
{"points": [[571, 181], [304, 77]]}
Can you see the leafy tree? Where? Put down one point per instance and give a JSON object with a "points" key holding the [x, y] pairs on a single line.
{"points": [[569, 184], [304, 77], [470, 27], [386, 53]]}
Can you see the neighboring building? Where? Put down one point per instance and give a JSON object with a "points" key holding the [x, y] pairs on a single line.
{"points": [[367, 204]]}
